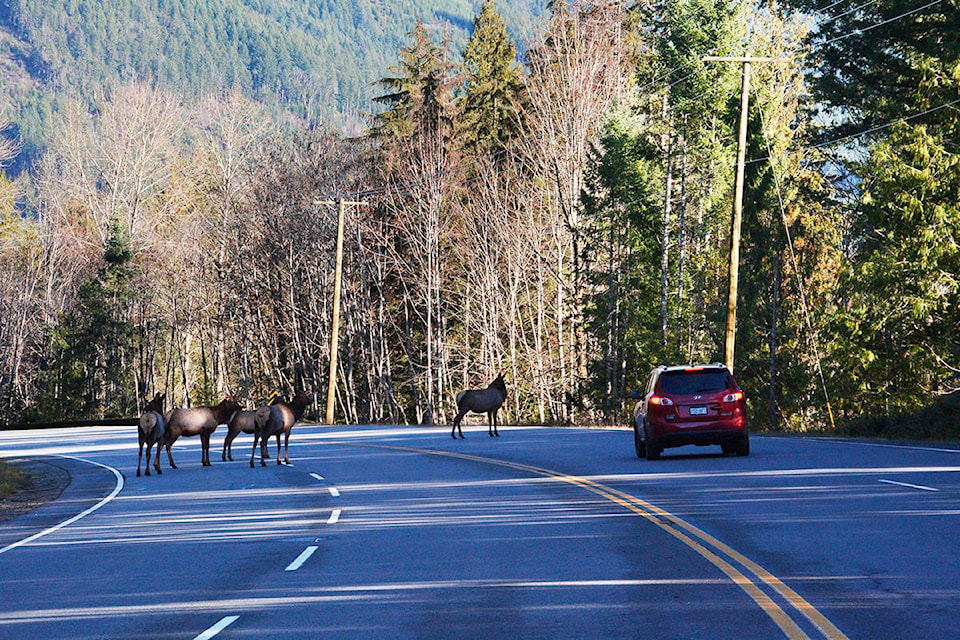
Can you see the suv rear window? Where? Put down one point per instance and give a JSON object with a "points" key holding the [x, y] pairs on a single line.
{"points": [[681, 383]]}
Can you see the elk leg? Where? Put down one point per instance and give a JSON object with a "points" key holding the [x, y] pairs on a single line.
{"points": [[140, 457], [170, 454], [278, 449], [456, 424], [496, 431], [156, 459], [286, 447], [227, 448], [264, 451], [204, 448], [256, 436]]}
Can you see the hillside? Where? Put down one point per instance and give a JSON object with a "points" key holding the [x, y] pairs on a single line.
{"points": [[318, 58]]}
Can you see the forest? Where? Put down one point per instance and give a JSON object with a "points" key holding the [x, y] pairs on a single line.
{"points": [[560, 214], [315, 59]]}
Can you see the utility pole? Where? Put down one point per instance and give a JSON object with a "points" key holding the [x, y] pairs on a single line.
{"points": [[335, 325], [737, 200]]}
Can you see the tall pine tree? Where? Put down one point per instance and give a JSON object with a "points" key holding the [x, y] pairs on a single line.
{"points": [[92, 350], [494, 90], [888, 76]]}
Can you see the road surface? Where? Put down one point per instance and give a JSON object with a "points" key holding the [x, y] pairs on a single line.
{"points": [[402, 532]]}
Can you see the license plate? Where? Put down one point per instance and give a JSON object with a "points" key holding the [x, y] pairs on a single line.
{"points": [[698, 411]]}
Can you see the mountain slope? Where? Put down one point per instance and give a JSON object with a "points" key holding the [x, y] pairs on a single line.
{"points": [[319, 58]]}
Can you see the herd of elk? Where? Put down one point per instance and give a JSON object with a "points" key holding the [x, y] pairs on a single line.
{"points": [[275, 419], [163, 429]]}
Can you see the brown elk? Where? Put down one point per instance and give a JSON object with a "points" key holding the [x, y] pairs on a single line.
{"points": [[241, 422], [486, 401], [151, 430], [275, 419], [198, 421]]}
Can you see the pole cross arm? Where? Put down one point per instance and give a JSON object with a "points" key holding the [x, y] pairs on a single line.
{"points": [[742, 59]]}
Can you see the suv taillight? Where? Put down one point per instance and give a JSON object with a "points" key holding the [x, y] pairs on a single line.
{"points": [[733, 397], [660, 400]]}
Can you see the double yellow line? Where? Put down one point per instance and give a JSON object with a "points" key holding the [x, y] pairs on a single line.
{"points": [[713, 550]]}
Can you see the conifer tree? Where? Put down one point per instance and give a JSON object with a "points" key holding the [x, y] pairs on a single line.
{"points": [[495, 93], [92, 346], [887, 73], [419, 91]]}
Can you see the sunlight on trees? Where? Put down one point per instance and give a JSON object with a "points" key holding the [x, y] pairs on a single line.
{"points": [[561, 218]]}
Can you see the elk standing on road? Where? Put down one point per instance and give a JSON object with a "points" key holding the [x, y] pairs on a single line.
{"points": [[486, 401], [274, 419], [242, 421], [151, 430], [198, 421]]}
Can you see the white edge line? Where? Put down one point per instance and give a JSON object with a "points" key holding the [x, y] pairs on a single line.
{"points": [[334, 516], [303, 557], [217, 628], [113, 494], [334, 492], [883, 445], [908, 485]]}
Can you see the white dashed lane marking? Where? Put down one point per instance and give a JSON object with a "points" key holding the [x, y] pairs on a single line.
{"points": [[217, 628], [303, 557], [919, 487]]}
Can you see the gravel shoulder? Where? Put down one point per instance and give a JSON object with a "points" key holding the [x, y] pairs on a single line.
{"points": [[46, 482]]}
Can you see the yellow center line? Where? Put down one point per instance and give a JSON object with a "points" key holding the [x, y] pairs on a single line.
{"points": [[696, 539]]}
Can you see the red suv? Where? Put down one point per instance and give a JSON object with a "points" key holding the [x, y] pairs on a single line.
{"points": [[701, 405]]}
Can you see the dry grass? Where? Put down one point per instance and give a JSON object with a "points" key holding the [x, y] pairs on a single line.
{"points": [[11, 479]]}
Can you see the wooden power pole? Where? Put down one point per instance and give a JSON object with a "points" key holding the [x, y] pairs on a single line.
{"points": [[335, 325], [737, 201]]}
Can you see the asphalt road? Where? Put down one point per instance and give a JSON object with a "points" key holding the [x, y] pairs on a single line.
{"points": [[380, 532]]}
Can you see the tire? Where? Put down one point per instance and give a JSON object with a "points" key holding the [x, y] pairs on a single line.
{"points": [[638, 443], [743, 445], [652, 450]]}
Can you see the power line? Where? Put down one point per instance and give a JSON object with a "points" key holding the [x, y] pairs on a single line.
{"points": [[860, 31], [881, 127]]}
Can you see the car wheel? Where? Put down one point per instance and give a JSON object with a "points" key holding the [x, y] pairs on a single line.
{"points": [[638, 443], [652, 450], [743, 445], [729, 446]]}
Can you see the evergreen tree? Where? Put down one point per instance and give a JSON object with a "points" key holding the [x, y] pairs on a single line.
{"points": [[92, 350], [884, 60], [621, 205], [891, 68], [420, 91], [900, 333], [494, 90]]}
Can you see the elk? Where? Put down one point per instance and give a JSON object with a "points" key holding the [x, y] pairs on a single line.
{"points": [[151, 430], [274, 419], [198, 421], [486, 401]]}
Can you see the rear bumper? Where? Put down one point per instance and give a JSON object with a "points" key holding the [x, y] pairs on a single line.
{"points": [[699, 437]]}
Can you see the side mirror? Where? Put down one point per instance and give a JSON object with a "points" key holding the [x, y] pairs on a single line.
{"points": [[635, 395]]}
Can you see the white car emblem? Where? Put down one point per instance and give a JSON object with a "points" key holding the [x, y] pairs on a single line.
{"points": [[697, 397]]}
